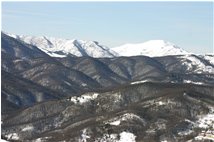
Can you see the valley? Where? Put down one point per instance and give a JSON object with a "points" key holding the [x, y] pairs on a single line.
{"points": [[74, 90]]}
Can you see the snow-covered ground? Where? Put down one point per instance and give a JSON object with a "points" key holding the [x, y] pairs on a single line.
{"points": [[84, 98], [209, 58], [200, 138], [127, 137], [123, 137], [138, 82], [41, 139], [84, 136], [28, 128], [205, 123], [125, 117], [192, 82], [12, 136]]}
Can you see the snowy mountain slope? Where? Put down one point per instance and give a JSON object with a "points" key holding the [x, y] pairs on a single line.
{"points": [[209, 58], [203, 64], [188, 64], [57, 47], [150, 48]]}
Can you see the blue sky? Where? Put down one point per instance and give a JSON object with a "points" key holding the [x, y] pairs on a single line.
{"points": [[187, 24]]}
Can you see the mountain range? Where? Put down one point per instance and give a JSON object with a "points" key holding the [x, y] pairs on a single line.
{"points": [[57, 47], [74, 90]]}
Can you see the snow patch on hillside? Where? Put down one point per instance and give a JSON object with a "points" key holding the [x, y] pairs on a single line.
{"points": [[123, 137], [206, 123], [209, 58], [84, 98], [28, 128], [43, 139], [127, 137], [193, 82], [139, 82], [125, 117], [12, 136], [84, 136]]}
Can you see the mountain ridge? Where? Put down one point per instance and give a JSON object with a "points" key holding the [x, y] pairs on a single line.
{"points": [[59, 47], [152, 48]]}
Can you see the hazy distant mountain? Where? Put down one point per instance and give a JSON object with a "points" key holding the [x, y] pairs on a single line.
{"points": [[150, 48]]}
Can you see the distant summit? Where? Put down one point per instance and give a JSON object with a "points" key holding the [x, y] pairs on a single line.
{"points": [[150, 48]]}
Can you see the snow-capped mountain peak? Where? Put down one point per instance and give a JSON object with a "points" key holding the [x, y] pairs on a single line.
{"points": [[150, 48], [57, 47]]}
